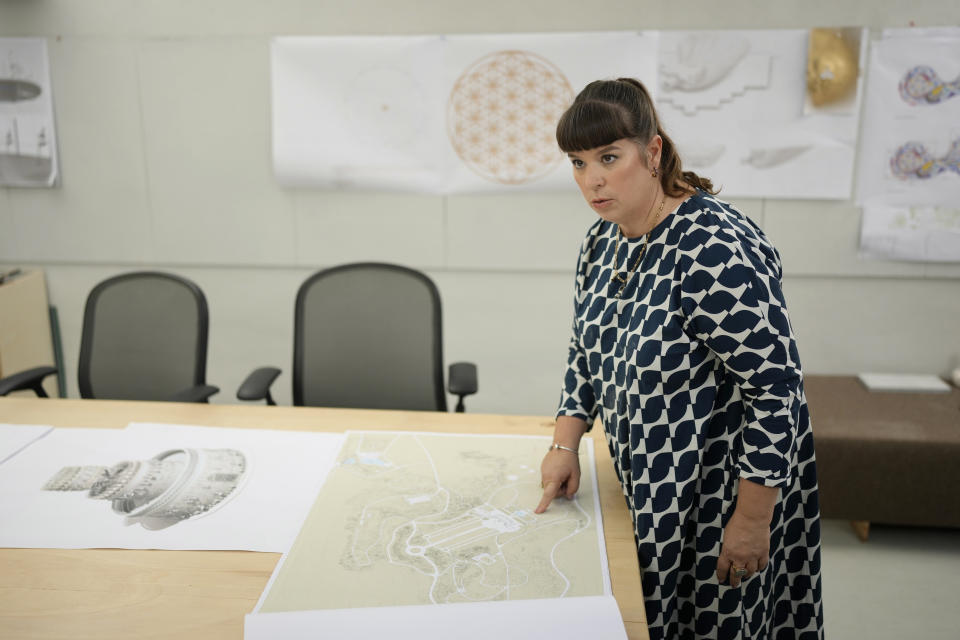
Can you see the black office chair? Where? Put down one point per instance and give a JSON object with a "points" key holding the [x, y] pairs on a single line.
{"points": [[368, 335], [144, 338]]}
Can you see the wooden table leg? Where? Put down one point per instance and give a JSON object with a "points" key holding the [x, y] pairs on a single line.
{"points": [[861, 528]]}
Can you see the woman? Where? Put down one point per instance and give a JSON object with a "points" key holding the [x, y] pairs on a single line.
{"points": [[681, 343]]}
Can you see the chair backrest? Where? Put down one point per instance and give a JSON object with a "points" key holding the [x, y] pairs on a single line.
{"points": [[368, 335], [144, 337]]}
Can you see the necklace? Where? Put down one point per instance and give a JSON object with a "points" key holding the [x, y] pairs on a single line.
{"points": [[624, 278]]}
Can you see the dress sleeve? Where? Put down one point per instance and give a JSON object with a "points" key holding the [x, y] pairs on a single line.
{"points": [[732, 298], [577, 398]]}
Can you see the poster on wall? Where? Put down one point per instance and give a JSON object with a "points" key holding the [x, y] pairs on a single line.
{"points": [[437, 114], [28, 142], [358, 112], [909, 176], [505, 94], [766, 114], [915, 234]]}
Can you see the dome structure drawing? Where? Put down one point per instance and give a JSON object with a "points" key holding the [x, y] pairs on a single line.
{"points": [[168, 488]]}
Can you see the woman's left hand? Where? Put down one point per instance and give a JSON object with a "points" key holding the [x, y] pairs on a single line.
{"points": [[746, 545]]}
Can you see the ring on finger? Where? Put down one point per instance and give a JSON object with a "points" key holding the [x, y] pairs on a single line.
{"points": [[739, 572]]}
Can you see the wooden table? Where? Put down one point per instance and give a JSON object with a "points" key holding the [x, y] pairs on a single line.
{"points": [[121, 593]]}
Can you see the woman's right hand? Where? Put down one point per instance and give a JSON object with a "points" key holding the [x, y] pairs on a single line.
{"points": [[560, 474]]}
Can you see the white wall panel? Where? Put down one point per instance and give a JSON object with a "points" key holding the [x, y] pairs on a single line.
{"points": [[206, 123], [942, 270], [822, 237], [9, 236], [849, 325], [96, 18], [342, 226], [230, 17], [515, 327], [100, 211], [529, 231]]}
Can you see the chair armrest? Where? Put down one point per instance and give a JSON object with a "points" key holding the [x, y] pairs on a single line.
{"points": [[257, 385], [29, 379], [462, 381], [199, 393]]}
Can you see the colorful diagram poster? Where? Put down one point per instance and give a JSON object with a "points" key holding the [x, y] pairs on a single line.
{"points": [[909, 177]]}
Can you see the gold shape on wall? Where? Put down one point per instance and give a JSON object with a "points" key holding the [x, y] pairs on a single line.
{"points": [[832, 65], [502, 116]]}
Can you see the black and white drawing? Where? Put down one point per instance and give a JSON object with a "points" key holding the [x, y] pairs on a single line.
{"points": [[733, 102], [161, 486], [28, 156], [171, 487]]}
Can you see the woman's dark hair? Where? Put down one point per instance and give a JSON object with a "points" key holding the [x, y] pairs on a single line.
{"points": [[609, 110]]}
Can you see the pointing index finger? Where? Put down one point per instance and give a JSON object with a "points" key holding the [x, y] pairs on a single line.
{"points": [[550, 491]]}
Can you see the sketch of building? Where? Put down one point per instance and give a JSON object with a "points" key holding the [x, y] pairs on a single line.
{"points": [[773, 157], [27, 145], [173, 486], [707, 70]]}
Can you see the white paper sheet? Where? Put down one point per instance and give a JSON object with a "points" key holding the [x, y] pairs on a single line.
{"points": [[358, 112], [28, 140], [437, 114], [262, 510], [734, 103], [901, 64], [594, 617], [923, 234], [917, 383], [14, 438], [909, 170]]}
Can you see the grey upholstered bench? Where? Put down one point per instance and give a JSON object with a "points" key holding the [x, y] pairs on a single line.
{"points": [[885, 457]]}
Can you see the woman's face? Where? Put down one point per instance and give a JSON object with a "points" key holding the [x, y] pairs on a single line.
{"points": [[616, 180]]}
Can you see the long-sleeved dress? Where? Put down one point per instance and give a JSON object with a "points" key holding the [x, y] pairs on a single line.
{"points": [[695, 375]]}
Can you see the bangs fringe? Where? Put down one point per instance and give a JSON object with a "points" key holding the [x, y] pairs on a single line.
{"points": [[591, 124]]}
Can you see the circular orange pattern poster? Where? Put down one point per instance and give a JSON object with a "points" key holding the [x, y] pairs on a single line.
{"points": [[502, 116]]}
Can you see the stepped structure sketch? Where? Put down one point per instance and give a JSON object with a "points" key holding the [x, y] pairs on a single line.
{"points": [[415, 519]]}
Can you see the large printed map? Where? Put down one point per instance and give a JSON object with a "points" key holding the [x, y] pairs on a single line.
{"points": [[414, 518]]}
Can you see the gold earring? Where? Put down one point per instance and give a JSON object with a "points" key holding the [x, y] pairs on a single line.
{"points": [[654, 172]]}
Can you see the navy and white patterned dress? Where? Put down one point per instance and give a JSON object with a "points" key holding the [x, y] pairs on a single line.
{"points": [[695, 375]]}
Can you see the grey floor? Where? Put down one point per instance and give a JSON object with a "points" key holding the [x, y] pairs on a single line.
{"points": [[903, 583]]}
